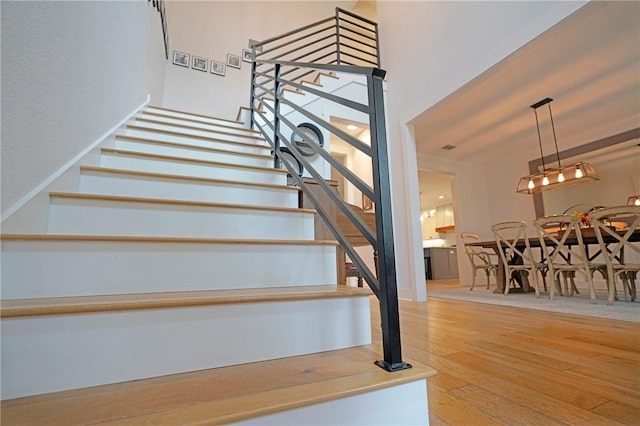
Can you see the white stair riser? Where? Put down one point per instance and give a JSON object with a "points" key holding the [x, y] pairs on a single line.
{"points": [[56, 353], [195, 117], [140, 186], [32, 269], [198, 125], [196, 154], [195, 132], [218, 144], [96, 217], [153, 165], [404, 404]]}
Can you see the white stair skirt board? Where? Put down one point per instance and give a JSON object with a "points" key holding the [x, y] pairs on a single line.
{"points": [[93, 216], [195, 124], [111, 182], [207, 154], [142, 125], [193, 116], [131, 161], [55, 353], [54, 267], [398, 405], [219, 143]]}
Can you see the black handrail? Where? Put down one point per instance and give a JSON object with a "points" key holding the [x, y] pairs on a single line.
{"points": [[292, 55], [159, 5]]}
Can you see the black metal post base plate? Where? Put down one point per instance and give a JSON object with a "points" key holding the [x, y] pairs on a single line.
{"points": [[392, 367]]}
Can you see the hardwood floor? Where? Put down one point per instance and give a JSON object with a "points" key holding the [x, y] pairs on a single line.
{"points": [[508, 366]]}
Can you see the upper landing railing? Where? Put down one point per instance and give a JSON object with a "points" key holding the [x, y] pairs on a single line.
{"points": [[343, 44]]}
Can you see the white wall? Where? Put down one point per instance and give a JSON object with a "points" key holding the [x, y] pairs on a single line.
{"points": [[70, 71], [211, 29], [442, 46]]}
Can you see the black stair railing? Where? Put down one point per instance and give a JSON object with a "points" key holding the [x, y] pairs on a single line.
{"points": [[343, 44]]}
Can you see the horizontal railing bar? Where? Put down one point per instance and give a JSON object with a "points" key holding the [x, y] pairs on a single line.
{"points": [[288, 43], [358, 58], [337, 99], [311, 43], [305, 65], [355, 32], [359, 145], [268, 76], [353, 15], [330, 67], [290, 33], [373, 30], [326, 46], [359, 42], [350, 176], [358, 49]]}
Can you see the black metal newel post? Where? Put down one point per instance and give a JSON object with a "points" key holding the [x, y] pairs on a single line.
{"points": [[389, 312], [276, 121]]}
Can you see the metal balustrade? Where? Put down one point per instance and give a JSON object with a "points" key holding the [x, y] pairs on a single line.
{"points": [[343, 44]]}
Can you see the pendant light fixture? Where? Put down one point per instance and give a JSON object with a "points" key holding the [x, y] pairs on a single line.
{"points": [[554, 178], [634, 200]]}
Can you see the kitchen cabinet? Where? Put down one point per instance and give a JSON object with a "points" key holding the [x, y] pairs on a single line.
{"points": [[444, 218], [444, 263]]}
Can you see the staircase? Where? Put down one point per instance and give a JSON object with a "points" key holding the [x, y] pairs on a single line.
{"points": [[181, 284]]}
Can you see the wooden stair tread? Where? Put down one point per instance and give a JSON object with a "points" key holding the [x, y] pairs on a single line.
{"points": [[298, 91], [328, 74], [124, 302], [189, 147], [186, 126], [193, 114], [243, 108], [217, 396], [186, 178], [313, 83], [195, 120], [126, 199], [158, 240], [191, 136], [117, 151]]}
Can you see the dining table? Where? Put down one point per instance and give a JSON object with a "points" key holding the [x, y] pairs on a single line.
{"points": [[588, 238]]}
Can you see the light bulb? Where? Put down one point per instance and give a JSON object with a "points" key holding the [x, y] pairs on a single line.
{"points": [[579, 173], [637, 202], [531, 185], [545, 181], [560, 177]]}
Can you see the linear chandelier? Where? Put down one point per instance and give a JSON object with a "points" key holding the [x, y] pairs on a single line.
{"points": [[554, 178]]}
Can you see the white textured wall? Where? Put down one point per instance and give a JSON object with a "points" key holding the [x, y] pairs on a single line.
{"points": [[442, 46], [211, 29], [70, 71]]}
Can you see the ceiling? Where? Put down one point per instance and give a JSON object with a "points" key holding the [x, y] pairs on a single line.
{"points": [[589, 64]]}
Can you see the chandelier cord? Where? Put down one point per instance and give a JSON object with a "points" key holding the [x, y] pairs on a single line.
{"points": [[554, 136], [535, 111]]}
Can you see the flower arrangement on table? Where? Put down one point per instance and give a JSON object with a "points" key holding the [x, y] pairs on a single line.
{"points": [[584, 219]]}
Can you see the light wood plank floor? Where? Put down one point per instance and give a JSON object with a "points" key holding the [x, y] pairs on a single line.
{"points": [[508, 366]]}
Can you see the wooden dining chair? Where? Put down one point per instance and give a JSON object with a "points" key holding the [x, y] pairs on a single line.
{"points": [[517, 257], [563, 257], [479, 259], [614, 253]]}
